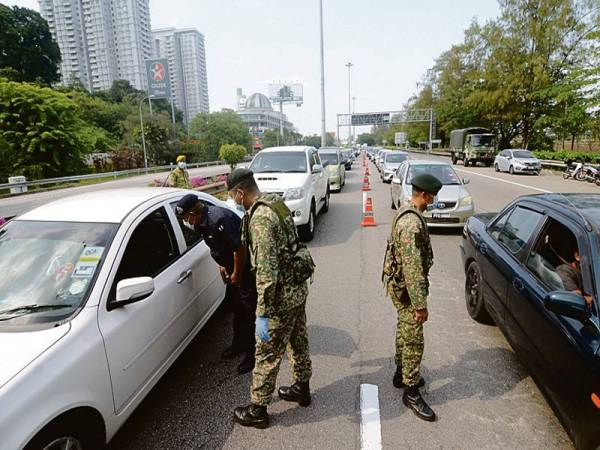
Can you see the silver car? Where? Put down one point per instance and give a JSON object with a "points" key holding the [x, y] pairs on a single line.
{"points": [[391, 162], [517, 161], [454, 203]]}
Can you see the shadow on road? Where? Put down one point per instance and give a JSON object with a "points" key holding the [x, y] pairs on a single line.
{"points": [[330, 341]]}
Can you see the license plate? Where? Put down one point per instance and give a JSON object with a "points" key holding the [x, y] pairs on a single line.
{"points": [[440, 215]]}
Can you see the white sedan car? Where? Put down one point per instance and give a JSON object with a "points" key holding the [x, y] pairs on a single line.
{"points": [[517, 161], [99, 295]]}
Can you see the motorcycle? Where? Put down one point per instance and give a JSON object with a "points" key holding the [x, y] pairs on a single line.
{"points": [[574, 170]]}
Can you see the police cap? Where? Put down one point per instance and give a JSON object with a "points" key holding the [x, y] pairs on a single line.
{"points": [[237, 176], [186, 204], [427, 183]]}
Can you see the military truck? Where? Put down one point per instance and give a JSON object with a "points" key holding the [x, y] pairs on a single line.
{"points": [[472, 145]]}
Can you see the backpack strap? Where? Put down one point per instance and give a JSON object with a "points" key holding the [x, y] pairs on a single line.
{"points": [[281, 214]]}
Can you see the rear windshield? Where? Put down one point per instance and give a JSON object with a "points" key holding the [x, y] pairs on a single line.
{"points": [[523, 154], [442, 172], [286, 162], [331, 158], [395, 158]]}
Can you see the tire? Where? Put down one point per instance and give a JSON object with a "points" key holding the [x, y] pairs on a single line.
{"points": [[308, 230], [454, 159], [58, 435], [597, 181], [393, 204], [474, 295], [580, 176], [488, 164], [466, 163], [325, 206], [511, 170], [496, 168], [566, 175]]}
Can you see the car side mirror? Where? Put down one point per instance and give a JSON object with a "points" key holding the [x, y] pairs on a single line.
{"points": [[317, 168], [567, 304], [396, 180], [466, 180], [132, 290]]}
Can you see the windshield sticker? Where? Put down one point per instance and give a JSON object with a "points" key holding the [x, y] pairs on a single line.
{"points": [[78, 286], [84, 269], [91, 254]]}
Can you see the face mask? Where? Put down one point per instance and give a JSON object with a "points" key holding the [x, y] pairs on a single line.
{"points": [[433, 205], [239, 204], [188, 225], [181, 165]]}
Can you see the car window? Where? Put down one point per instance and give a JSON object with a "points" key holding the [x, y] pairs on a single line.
{"points": [[444, 173], [272, 162], [312, 159], [152, 247], [518, 229], [554, 259], [191, 238], [332, 158]]}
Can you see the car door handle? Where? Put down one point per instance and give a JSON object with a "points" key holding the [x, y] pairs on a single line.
{"points": [[184, 276], [518, 284], [483, 248]]}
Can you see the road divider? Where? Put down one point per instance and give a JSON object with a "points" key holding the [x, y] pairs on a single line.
{"points": [[370, 422]]}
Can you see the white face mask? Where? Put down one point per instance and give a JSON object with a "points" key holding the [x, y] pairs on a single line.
{"points": [[433, 205], [181, 165], [188, 225]]}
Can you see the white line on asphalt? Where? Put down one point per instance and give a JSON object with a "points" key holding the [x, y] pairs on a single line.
{"points": [[504, 181], [370, 427]]}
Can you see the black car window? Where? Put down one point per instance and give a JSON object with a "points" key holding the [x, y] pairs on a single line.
{"points": [[191, 238], [553, 259], [518, 229], [496, 228]]}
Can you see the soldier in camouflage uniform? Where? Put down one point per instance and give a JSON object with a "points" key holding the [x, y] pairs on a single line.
{"points": [[179, 177], [408, 259], [268, 229]]}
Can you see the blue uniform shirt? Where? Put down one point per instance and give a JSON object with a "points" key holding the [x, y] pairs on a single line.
{"points": [[221, 230]]}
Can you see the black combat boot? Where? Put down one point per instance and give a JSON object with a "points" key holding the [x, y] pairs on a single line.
{"points": [[247, 364], [397, 380], [297, 392], [252, 416], [231, 352], [413, 400]]}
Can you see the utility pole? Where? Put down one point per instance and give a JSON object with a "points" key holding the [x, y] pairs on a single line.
{"points": [[353, 111], [349, 65], [323, 129], [143, 134]]}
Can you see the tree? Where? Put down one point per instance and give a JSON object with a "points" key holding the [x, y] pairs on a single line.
{"points": [[315, 140], [212, 130], [27, 46], [41, 130], [272, 138], [232, 154], [366, 138]]}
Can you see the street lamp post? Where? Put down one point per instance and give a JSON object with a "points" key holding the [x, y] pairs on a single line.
{"points": [[353, 111], [323, 129], [349, 65], [143, 134]]}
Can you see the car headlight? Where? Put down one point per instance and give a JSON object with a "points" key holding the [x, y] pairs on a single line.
{"points": [[465, 201], [294, 194]]}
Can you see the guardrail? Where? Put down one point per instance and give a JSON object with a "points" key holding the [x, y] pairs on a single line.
{"points": [[95, 176]]}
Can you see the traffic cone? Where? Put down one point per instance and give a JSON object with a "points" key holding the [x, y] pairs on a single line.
{"points": [[366, 185], [367, 173], [368, 220]]}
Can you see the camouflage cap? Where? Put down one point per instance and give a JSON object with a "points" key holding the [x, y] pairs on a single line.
{"points": [[427, 183], [237, 176]]}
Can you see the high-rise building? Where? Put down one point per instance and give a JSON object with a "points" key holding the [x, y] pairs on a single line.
{"points": [[101, 40], [184, 49]]}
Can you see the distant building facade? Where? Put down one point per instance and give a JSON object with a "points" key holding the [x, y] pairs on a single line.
{"points": [[184, 49], [100, 41], [257, 112]]}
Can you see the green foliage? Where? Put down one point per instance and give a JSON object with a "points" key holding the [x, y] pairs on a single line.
{"points": [[232, 154], [315, 140], [567, 155], [272, 138], [366, 138], [41, 129], [212, 130], [27, 47]]}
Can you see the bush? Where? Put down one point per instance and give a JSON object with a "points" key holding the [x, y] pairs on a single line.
{"points": [[564, 155], [198, 181], [232, 154]]}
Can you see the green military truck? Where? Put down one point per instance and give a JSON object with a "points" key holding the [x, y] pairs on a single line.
{"points": [[472, 145]]}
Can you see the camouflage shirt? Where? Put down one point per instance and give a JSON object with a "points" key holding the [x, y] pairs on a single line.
{"points": [[413, 252], [267, 242], [180, 178]]}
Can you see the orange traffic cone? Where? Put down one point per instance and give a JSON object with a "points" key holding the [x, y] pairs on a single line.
{"points": [[367, 173], [366, 185], [368, 220]]}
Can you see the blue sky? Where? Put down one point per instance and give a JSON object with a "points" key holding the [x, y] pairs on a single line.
{"points": [[251, 42]]}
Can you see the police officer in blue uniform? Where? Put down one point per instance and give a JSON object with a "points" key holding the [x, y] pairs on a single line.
{"points": [[220, 228]]}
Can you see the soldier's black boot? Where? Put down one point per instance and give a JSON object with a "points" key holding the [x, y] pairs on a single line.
{"points": [[397, 380], [297, 392], [413, 400], [247, 364], [252, 416]]}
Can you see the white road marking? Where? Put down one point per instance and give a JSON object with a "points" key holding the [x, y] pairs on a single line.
{"points": [[504, 181], [370, 426]]}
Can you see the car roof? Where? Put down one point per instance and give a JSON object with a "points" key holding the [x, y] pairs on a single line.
{"points": [[288, 148], [583, 208], [329, 149], [103, 206], [415, 162]]}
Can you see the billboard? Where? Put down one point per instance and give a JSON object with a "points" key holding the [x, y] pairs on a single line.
{"points": [[400, 138], [370, 119], [157, 72], [286, 92]]}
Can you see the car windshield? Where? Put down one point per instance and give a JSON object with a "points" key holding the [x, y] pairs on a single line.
{"points": [[478, 140], [331, 158], [395, 158], [48, 268], [279, 162], [444, 173], [523, 154]]}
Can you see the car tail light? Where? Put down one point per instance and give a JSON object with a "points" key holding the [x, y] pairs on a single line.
{"points": [[595, 400]]}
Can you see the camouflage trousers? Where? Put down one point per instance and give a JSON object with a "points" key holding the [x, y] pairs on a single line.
{"points": [[286, 331], [409, 341]]}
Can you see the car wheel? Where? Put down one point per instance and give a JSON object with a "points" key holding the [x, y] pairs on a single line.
{"points": [[466, 163], [67, 434], [325, 207], [308, 230], [511, 170], [474, 295], [393, 203], [496, 168], [488, 163]]}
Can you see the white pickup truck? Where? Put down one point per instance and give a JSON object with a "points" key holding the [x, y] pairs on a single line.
{"points": [[296, 173]]}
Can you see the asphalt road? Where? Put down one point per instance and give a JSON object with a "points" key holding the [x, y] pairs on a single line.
{"points": [[482, 394], [20, 204]]}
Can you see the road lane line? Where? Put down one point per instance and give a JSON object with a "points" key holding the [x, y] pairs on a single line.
{"points": [[504, 181], [370, 426]]}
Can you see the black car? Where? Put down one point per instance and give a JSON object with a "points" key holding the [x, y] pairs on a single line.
{"points": [[533, 269]]}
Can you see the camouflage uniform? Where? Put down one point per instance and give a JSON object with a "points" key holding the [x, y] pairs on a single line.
{"points": [[180, 178], [279, 299], [411, 249]]}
